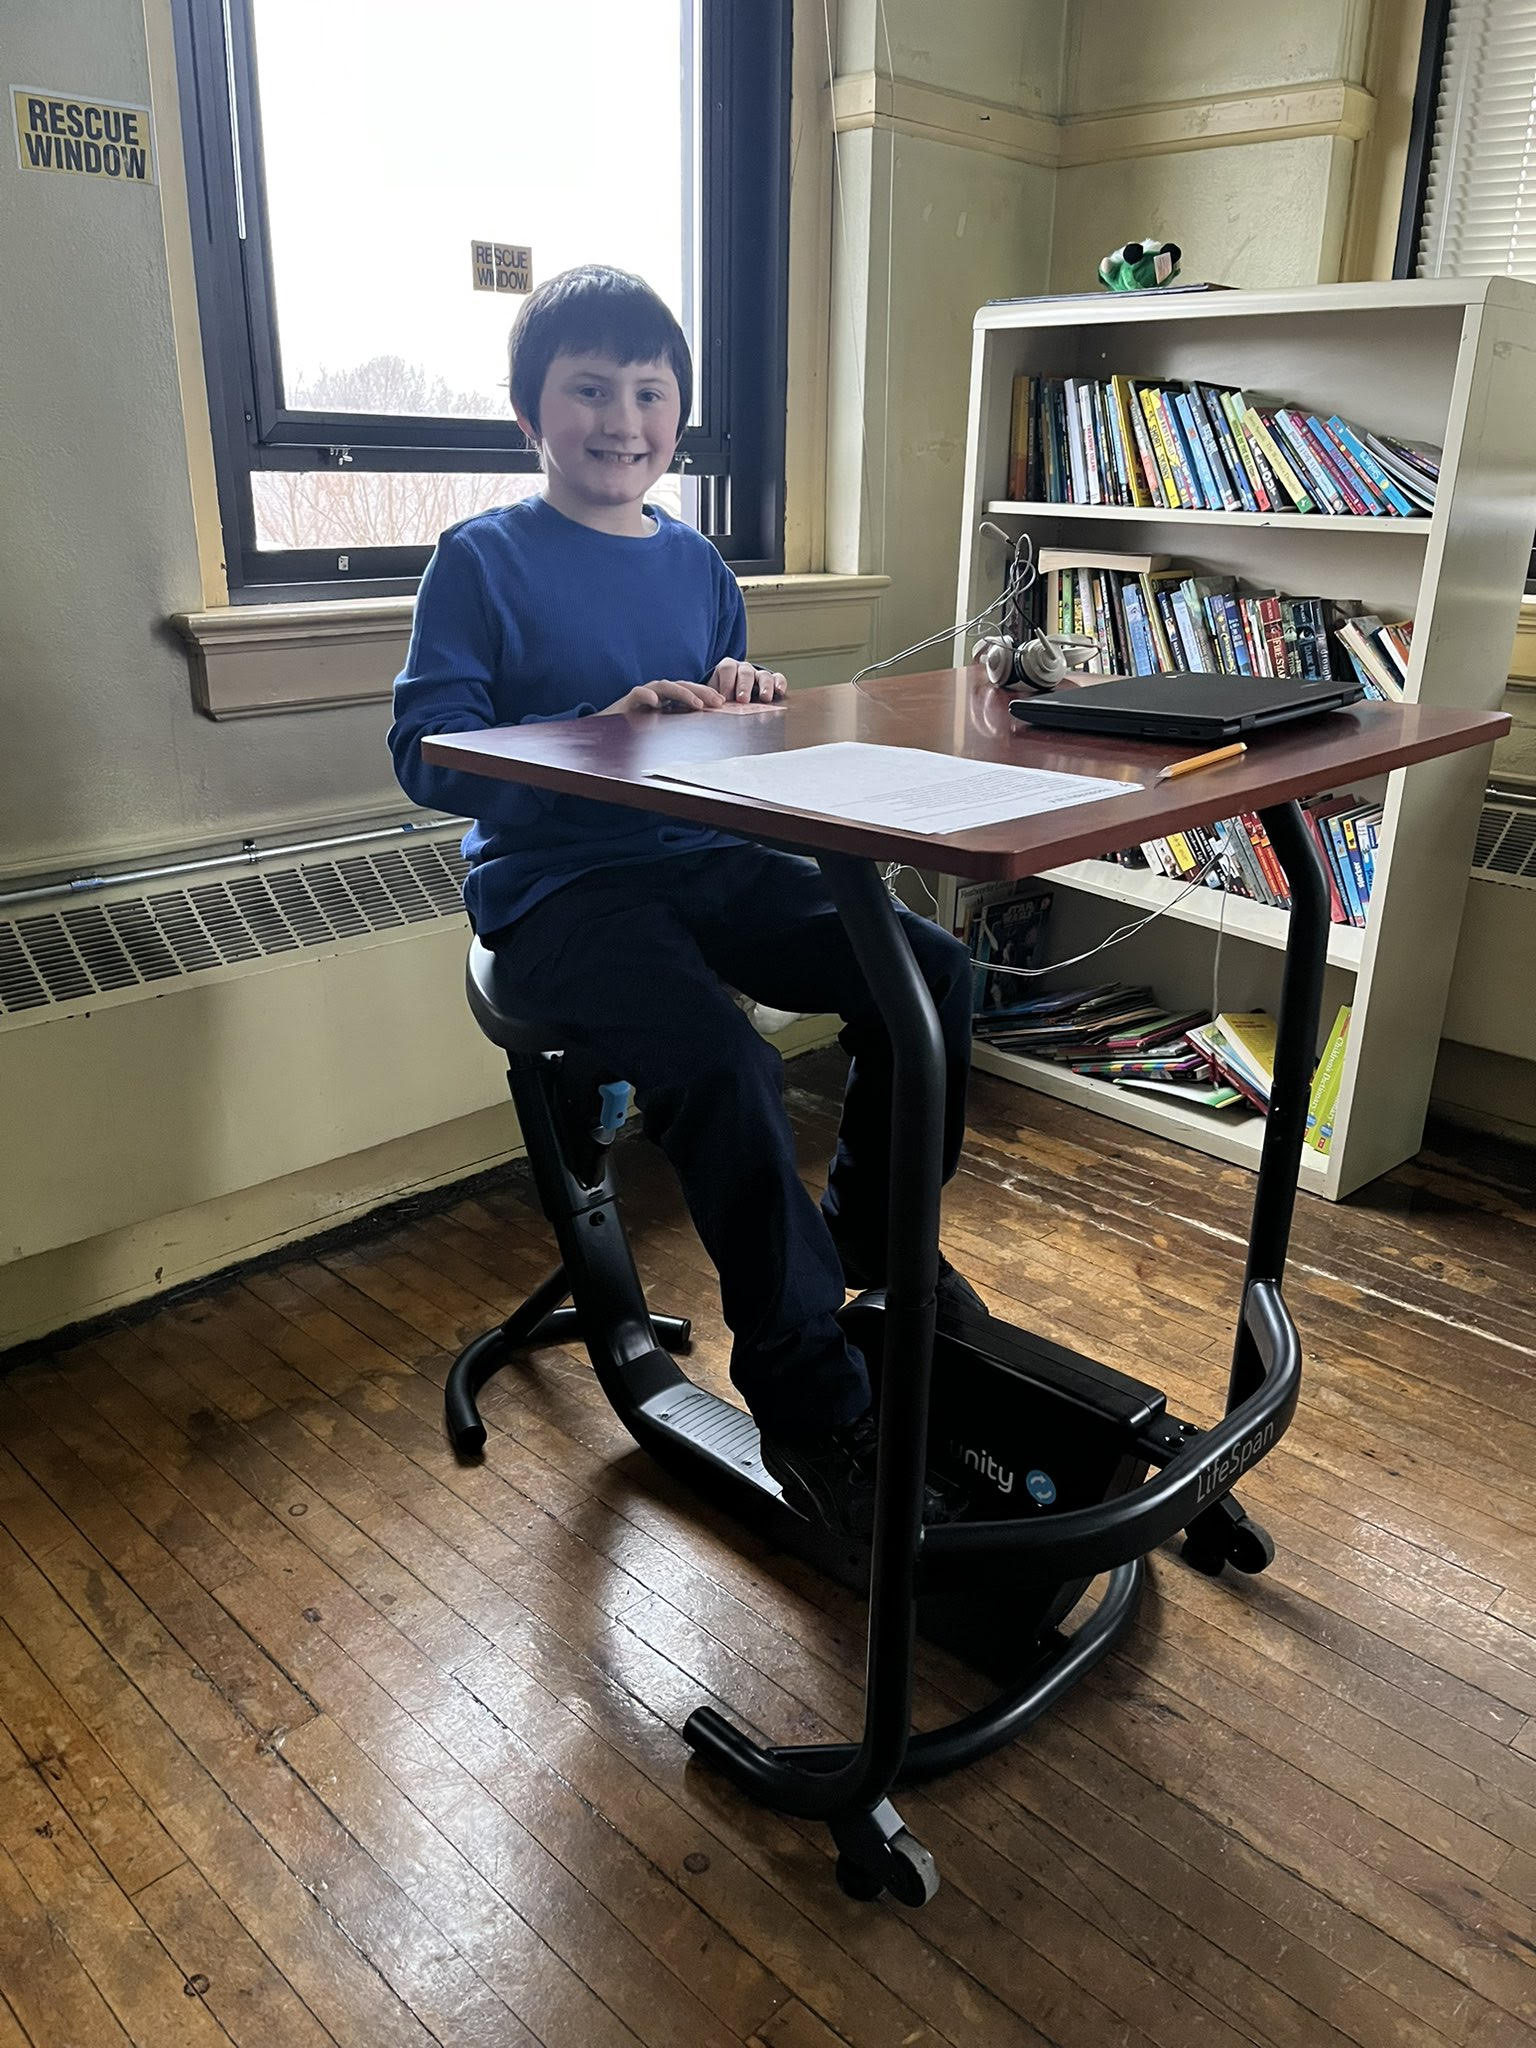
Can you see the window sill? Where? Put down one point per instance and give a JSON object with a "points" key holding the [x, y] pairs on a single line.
{"points": [[252, 661]]}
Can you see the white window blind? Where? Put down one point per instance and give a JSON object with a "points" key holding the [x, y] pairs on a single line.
{"points": [[1480, 205]]}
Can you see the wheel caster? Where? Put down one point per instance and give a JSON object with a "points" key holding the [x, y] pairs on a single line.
{"points": [[914, 1876], [1250, 1549], [855, 1881], [877, 1853], [1202, 1558]]}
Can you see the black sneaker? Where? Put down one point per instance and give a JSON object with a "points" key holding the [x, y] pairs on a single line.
{"points": [[955, 1299], [831, 1478]]}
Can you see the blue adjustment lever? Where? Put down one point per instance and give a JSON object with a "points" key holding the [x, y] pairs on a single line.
{"points": [[615, 1108]]}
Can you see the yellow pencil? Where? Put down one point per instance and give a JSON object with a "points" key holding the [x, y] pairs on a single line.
{"points": [[1201, 761]]}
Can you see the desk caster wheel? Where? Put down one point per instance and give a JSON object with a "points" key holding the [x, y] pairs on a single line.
{"points": [[1223, 1535], [909, 1873], [1208, 1558], [855, 1882], [914, 1876], [1251, 1548]]}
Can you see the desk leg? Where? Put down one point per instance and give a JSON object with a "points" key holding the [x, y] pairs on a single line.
{"points": [[851, 1796], [1301, 1001]]}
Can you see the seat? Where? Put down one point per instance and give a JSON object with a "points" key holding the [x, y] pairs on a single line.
{"points": [[496, 1016]]}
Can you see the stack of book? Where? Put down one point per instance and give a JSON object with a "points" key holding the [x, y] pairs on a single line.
{"points": [[1112, 1033], [1149, 619], [1197, 447], [1240, 1045], [1236, 855]]}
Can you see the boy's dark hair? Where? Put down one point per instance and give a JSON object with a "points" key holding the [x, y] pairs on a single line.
{"points": [[601, 309]]}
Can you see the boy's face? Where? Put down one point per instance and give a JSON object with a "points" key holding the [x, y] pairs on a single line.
{"points": [[607, 430]]}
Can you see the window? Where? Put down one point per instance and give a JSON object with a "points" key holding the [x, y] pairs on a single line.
{"points": [[1469, 203], [368, 177]]}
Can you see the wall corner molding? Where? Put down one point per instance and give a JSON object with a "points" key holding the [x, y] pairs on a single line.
{"points": [[901, 106]]}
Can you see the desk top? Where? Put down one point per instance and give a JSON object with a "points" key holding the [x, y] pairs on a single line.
{"points": [[955, 711]]}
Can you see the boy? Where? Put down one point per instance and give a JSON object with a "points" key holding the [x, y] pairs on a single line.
{"points": [[625, 929]]}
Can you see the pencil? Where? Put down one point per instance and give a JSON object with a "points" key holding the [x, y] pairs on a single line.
{"points": [[1200, 761]]}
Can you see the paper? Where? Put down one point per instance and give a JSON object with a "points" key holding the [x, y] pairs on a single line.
{"points": [[904, 787]]}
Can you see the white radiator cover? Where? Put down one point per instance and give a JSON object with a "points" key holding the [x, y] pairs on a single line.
{"points": [[127, 1109], [1492, 1002]]}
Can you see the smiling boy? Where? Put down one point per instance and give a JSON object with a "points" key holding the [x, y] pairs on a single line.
{"points": [[624, 930]]}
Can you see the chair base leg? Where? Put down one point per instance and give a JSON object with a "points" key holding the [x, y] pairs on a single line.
{"points": [[539, 1320]]}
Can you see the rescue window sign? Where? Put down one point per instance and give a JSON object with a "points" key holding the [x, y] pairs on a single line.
{"points": [[501, 267], [97, 138]]}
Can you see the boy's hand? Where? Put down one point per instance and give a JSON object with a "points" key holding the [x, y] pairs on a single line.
{"points": [[741, 682], [666, 696]]}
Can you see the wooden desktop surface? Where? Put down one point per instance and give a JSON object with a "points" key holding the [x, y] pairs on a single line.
{"points": [[955, 711]]}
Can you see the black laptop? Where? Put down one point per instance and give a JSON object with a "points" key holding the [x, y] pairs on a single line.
{"points": [[1185, 706]]}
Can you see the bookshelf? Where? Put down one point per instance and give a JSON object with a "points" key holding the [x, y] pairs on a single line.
{"points": [[1445, 361]]}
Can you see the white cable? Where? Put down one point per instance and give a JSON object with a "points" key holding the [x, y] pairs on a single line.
{"points": [[1116, 937], [1221, 927], [1020, 579]]}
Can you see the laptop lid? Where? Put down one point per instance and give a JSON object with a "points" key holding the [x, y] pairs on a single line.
{"points": [[1185, 706]]}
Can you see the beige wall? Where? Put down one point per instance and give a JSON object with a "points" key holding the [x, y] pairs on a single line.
{"points": [[928, 226], [1267, 212]]}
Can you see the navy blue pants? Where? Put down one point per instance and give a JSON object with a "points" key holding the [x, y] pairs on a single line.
{"points": [[633, 963]]}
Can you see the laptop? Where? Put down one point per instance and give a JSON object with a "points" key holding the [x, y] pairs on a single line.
{"points": [[1185, 706]]}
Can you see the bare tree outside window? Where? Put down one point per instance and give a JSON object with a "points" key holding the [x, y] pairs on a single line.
{"points": [[356, 508]]}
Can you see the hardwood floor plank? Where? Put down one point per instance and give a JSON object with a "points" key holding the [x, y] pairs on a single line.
{"points": [[115, 1945], [345, 1990], [250, 1999], [339, 1742], [41, 1978], [131, 1844]]}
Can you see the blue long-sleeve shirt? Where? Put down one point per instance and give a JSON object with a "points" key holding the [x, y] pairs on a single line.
{"points": [[525, 615]]}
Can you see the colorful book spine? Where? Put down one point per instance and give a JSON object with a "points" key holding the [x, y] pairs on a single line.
{"points": [[1323, 1104], [1141, 469], [1178, 453], [1360, 496], [1259, 480], [1194, 451], [1369, 467], [1223, 491], [1147, 397], [1289, 482], [1284, 423], [1076, 457], [1232, 462]]}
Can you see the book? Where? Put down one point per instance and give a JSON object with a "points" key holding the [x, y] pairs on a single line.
{"points": [[1323, 1101], [1258, 430], [1018, 438]]}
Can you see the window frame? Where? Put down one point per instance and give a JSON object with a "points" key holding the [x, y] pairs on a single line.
{"points": [[1421, 140], [735, 450]]}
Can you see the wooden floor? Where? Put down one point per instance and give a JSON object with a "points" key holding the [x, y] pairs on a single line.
{"points": [[308, 1736]]}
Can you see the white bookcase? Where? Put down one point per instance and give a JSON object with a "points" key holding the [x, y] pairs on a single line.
{"points": [[1449, 361]]}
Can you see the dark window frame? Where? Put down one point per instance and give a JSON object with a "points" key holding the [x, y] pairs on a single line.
{"points": [[736, 448], [1421, 135]]}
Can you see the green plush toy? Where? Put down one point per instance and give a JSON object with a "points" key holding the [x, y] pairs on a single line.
{"points": [[1140, 266]]}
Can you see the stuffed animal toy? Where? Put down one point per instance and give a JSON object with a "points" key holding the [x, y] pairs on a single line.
{"points": [[1140, 266]]}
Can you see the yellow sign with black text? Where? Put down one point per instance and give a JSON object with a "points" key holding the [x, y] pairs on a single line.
{"points": [[501, 267], [97, 138]]}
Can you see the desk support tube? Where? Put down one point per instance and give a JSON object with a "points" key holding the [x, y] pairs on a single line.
{"points": [[1301, 1002], [777, 1777]]}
